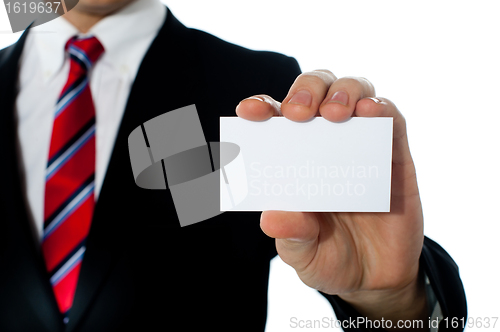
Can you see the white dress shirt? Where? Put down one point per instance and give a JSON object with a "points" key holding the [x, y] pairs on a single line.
{"points": [[44, 70]]}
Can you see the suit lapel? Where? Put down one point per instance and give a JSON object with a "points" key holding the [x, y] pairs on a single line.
{"points": [[166, 81], [24, 259]]}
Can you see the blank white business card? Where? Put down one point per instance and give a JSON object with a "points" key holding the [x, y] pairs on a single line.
{"points": [[316, 165]]}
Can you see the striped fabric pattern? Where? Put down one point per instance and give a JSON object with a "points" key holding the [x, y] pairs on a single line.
{"points": [[69, 182]]}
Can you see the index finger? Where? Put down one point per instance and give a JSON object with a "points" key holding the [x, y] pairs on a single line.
{"points": [[302, 102], [258, 108]]}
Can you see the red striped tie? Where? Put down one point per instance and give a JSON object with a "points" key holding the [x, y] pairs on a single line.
{"points": [[69, 182]]}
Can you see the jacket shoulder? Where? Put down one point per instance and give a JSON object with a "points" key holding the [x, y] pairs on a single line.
{"points": [[226, 54], [5, 52], [12, 53], [252, 71]]}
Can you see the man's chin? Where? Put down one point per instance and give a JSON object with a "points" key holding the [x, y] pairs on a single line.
{"points": [[101, 8]]}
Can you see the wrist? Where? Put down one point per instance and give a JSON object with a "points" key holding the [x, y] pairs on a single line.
{"points": [[408, 302]]}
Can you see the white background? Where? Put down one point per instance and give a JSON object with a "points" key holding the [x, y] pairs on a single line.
{"points": [[439, 62]]}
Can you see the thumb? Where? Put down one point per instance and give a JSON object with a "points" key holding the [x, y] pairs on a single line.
{"points": [[296, 235]]}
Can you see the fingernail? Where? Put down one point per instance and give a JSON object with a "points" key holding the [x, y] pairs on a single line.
{"points": [[376, 100], [339, 97], [254, 97], [302, 97]]}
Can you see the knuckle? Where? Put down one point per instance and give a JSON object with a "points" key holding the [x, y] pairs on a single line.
{"points": [[317, 78], [367, 86], [327, 72], [359, 85], [401, 118], [365, 80], [350, 81], [392, 106], [388, 102]]}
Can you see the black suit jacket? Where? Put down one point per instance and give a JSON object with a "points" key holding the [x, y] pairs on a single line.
{"points": [[141, 270]]}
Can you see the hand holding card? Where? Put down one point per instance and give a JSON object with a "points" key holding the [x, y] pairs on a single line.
{"points": [[369, 259]]}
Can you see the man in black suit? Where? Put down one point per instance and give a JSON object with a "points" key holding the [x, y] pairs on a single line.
{"points": [[142, 271]]}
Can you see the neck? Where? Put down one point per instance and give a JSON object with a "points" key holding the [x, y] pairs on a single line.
{"points": [[81, 20], [85, 16]]}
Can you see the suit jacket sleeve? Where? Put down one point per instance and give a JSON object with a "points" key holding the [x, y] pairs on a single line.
{"points": [[444, 277]]}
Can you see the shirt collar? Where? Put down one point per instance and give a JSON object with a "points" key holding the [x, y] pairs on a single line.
{"points": [[140, 19]]}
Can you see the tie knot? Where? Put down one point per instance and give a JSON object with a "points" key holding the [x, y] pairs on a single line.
{"points": [[85, 50]]}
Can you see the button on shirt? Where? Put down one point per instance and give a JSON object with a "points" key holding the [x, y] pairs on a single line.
{"points": [[44, 70]]}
